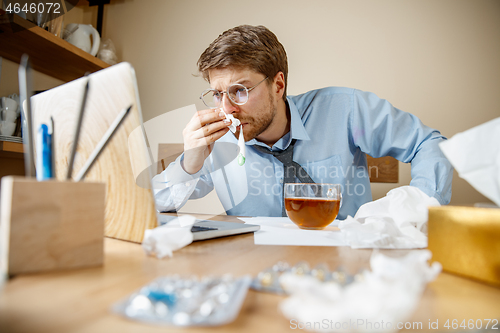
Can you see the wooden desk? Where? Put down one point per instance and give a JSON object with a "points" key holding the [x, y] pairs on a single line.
{"points": [[79, 300]]}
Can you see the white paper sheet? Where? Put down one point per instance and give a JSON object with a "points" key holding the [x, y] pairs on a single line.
{"points": [[282, 231]]}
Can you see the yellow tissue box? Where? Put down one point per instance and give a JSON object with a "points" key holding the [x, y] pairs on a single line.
{"points": [[466, 241]]}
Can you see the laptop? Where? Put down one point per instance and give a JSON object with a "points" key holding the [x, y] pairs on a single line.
{"points": [[127, 164]]}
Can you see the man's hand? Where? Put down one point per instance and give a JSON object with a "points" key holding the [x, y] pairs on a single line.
{"points": [[200, 134]]}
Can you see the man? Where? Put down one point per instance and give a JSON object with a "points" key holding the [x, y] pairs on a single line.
{"points": [[321, 136]]}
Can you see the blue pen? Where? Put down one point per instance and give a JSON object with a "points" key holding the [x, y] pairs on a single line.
{"points": [[43, 154]]}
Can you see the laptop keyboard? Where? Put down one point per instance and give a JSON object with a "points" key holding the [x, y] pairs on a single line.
{"points": [[197, 228]]}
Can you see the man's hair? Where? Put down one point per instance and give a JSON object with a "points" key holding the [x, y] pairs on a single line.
{"points": [[249, 47]]}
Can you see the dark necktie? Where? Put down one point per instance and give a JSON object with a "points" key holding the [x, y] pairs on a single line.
{"points": [[291, 168]]}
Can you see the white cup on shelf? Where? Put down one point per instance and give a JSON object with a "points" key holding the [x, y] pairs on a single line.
{"points": [[8, 104], [16, 98], [7, 128], [8, 115]]}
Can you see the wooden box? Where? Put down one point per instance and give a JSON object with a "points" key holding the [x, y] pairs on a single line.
{"points": [[50, 225], [466, 241]]}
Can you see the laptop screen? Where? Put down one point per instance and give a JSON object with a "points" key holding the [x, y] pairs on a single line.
{"points": [[126, 160]]}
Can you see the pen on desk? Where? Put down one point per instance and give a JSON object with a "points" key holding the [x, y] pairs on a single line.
{"points": [[102, 144], [44, 154], [52, 147], [77, 131], [24, 74]]}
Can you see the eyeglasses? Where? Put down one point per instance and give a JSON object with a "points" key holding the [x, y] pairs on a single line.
{"points": [[237, 93]]}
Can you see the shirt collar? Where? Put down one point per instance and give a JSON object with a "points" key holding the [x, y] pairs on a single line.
{"points": [[297, 130], [297, 127]]}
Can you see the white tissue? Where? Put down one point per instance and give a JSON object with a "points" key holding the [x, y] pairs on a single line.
{"points": [[396, 221], [475, 154], [241, 145], [162, 241], [235, 122], [389, 293]]}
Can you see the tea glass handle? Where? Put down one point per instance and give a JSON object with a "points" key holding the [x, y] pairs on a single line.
{"points": [[332, 192]]}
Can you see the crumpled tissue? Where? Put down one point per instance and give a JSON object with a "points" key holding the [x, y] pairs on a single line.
{"points": [[388, 294], [163, 240], [475, 154], [396, 221], [235, 122]]}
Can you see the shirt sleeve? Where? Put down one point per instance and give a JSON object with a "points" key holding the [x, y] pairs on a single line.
{"points": [[379, 129], [174, 186]]}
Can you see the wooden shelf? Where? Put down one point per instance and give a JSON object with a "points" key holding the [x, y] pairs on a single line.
{"points": [[11, 158], [49, 54], [13, 147]]}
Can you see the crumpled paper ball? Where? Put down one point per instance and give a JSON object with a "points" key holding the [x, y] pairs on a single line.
{"points": [[396, 221], [384, 297], [162, 241]]}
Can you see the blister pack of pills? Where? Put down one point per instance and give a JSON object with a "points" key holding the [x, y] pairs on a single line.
{"points": [[268, 280], [177, 301]]}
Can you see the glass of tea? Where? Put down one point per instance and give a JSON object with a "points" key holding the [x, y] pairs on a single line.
{"points": [[312, 206]]}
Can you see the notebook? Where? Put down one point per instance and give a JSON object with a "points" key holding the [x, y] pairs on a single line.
{"points": [[127, 164]]}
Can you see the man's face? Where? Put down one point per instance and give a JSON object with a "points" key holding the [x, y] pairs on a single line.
{"points": [[258, 113]]}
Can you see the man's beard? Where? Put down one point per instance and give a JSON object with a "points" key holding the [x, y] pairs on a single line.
{"points": [[258, 126]]}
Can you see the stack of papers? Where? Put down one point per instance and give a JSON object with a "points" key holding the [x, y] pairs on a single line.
{"points": [[282, 231]]}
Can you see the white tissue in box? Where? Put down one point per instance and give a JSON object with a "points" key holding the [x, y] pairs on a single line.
{"points": [[475, 154]]}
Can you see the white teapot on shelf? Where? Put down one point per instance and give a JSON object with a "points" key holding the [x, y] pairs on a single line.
{"points": [[79, 35]]}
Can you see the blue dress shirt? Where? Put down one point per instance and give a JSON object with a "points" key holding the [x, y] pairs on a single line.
{"points": [[335, 128]]}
